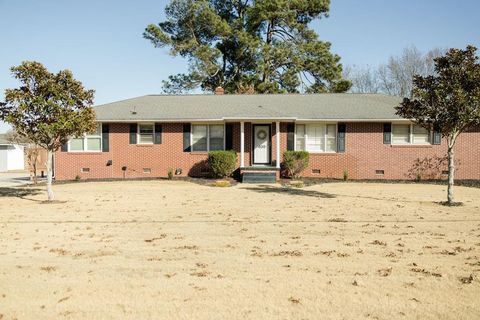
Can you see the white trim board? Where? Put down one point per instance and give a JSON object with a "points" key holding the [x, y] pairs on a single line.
{"points": [[253, 119]]}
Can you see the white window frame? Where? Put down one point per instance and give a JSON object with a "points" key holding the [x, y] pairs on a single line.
{"points": [[153, 133], [208, 135], [304, 136], [85, 142], [410, 137], [324, 136]]}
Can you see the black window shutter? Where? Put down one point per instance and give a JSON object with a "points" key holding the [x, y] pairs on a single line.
{"points": [[158, 133], [105, 137], [133, 133], [437, 137], [387, 133], [186, 137], [291, 136], [342, 129], [229, 136], [64, 147]]}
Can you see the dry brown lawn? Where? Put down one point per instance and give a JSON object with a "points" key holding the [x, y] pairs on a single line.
{"points": [[178, 250]]}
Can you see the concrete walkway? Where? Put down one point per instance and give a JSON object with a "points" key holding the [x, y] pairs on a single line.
{"points": [[14, 178]]}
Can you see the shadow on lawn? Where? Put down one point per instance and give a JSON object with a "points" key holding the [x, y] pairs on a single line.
{"points": [[18, 192], [291, 191]]}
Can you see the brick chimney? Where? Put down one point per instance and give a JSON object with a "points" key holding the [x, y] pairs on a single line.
{"points": [[219, 91]]}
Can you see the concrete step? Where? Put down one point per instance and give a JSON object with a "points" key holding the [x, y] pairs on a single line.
{"points": [[259, 177]]}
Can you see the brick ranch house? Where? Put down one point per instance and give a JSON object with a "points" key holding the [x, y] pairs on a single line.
{"points": [[354, 133]]}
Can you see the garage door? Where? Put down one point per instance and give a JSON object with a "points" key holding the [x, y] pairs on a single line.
{"points": [[3, 158]]}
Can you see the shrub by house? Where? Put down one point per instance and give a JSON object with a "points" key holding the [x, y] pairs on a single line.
{"points": [[222, 163], [295, 162]]}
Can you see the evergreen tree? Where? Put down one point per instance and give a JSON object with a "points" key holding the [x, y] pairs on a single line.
{"points": [[237, 44], [447, 102]]}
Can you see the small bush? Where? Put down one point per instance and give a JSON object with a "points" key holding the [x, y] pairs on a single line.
{"points": [[345, 175], [295, 162], [222, 183], [297, 184], [222, 163], [170, 174], [77, 178]]}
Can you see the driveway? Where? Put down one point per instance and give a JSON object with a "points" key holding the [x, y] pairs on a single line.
{"points": [[14, 178]]}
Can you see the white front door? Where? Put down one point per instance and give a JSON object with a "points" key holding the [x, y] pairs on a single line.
{"points": [[261, 144]]}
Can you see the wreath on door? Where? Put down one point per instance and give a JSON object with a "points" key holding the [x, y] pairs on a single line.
{"points": [[262, 134]]}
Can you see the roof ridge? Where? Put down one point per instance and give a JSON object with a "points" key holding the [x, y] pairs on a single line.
{"points": [[262, 94]]}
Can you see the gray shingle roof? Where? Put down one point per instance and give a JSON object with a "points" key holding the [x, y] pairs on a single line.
{"points": [[3, 140], [268, 106]]}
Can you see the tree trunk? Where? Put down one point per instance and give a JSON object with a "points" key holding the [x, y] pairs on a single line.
{"points": [[451, 173], [49, 175], [34, 169], [34, 160], [30, 167], [268, 41]]}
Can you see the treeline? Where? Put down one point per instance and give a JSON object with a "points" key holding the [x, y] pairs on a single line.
{"points": [[395, 77]]}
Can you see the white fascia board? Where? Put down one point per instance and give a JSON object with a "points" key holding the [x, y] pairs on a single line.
{"points": [[259, 118], [253, 119], [159, 120], [353, 120]]}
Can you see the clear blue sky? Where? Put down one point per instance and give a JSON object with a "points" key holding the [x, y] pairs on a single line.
{"points": [[101, 40]]}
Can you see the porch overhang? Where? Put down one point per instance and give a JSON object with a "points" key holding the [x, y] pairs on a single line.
{"points": [[277, 140]]}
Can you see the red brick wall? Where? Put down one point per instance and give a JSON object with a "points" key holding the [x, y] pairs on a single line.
{"points": [[365, 153], [158, 157]]}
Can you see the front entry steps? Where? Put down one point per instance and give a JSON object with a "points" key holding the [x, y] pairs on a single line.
{"points": [[259, 174]]}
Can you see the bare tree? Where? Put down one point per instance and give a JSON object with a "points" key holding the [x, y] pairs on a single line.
{"points": [[396, 76], [364, 79]]}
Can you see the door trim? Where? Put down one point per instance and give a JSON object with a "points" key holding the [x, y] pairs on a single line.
{"points": [[269, 125]]}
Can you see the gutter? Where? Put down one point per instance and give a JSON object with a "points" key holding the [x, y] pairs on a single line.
{"points": [[227, 119]]}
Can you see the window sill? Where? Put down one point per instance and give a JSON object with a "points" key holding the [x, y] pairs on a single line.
{"points": [[411, 146], [147, 145], [323, 153], [85, 152]]}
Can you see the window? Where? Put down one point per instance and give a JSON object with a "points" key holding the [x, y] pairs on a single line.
{"points": [[420, 135], [401, 133], [89, 142], [208, 137], [300, 141], [409, 134], [145, 133], [199, 138], [318, 137], [331, 138], [216, 137]]}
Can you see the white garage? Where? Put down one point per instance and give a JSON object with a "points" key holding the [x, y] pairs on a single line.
{"points": [[11, 156]]}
